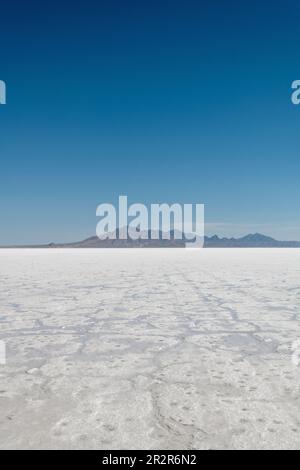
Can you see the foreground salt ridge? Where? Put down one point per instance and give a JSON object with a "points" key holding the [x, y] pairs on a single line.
{"points": [[149, 349]]}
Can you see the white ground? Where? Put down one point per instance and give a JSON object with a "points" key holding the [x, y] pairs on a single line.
{"points": [[161, 349]]}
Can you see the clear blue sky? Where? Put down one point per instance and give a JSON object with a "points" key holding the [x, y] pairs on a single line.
{"points": [[165, 101]]}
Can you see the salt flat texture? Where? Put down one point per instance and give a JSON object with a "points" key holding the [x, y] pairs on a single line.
{"points": [[151, 349]]}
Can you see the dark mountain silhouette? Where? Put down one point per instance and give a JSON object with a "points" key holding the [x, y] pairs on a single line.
{"points": [[256, 240]]}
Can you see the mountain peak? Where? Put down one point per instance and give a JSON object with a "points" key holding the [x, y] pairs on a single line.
{"points": [[257, 237]]}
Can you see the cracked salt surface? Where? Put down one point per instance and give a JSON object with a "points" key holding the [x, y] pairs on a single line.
{"points": [[150, 349]]}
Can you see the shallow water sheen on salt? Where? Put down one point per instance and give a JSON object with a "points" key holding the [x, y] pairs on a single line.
{"points": [[150, 349]]}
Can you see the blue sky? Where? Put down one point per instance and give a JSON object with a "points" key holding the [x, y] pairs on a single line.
{"points": [[162, 101]]}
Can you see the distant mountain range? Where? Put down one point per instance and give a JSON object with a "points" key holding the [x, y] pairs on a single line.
{"points": [[256, 240]]}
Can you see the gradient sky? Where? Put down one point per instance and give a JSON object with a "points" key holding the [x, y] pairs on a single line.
{"points": [[165, 101]]}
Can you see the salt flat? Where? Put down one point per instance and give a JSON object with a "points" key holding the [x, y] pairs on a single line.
{"points": [[151, 349]]}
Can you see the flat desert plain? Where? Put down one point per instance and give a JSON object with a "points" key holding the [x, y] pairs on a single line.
{"points": [[150, 349]]}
